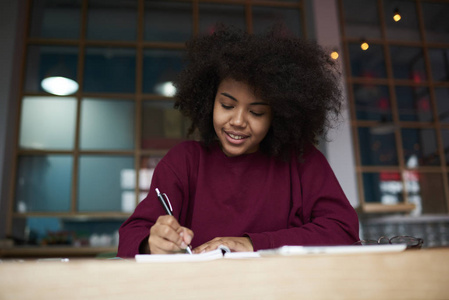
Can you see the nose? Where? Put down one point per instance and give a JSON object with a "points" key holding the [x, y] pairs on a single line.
{"points": [[238, 119]]}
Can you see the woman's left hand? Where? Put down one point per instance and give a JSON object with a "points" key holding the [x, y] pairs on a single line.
{"points": [[235, 244]]}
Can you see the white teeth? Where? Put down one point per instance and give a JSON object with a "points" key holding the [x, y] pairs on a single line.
{"points": [[236, 137]]}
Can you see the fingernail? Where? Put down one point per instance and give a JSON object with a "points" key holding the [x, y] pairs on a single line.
{"points": [[183, 245]]}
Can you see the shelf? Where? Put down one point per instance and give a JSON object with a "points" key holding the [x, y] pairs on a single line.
{"points": [[54, 251], [383, 208]]}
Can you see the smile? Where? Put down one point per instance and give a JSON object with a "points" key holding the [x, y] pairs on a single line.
{"points": [[236, 137]]}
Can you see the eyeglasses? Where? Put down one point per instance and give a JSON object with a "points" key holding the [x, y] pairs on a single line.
{"points": [[410, 241]]}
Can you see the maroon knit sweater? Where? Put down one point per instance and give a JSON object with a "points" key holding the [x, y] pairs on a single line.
{"points": [[273, 202]]}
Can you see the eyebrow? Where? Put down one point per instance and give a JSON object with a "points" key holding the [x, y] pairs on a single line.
{"points": [[253, 103]]}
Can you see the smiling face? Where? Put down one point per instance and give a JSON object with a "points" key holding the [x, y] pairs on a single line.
{"points": [[241, 120]]}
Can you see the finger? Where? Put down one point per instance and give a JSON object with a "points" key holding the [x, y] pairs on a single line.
{"points": [[166, 232], [169, 221], [160, 245], [209, 246], [186, 234]]}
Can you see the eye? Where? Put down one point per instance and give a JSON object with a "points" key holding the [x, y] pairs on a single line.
{"points": [[257, 114], [226, 106]]}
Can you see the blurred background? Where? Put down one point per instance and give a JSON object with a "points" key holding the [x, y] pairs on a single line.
{"points": [[86, 110]]}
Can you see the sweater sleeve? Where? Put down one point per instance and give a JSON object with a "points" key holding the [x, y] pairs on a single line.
{"points": [[321, 213]]}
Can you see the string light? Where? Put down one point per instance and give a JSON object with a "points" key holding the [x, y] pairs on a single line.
{"points": [[396, 15], [334, 55], [364, 45]]}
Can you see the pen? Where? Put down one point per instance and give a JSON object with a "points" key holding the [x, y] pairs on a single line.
{"points": [[168, 210]]}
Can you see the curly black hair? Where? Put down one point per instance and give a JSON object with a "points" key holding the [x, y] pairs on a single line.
{"points": [[296, 77]]}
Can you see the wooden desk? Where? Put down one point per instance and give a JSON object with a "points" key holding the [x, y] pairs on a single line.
{"points": [[418, 274]]}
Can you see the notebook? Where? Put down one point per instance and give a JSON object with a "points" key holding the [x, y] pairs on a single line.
{"points": [[219, 253]]}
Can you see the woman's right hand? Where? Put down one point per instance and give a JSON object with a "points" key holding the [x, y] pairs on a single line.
{"points": [[168, 237]]}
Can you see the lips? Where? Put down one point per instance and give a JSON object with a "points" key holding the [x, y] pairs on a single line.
{"points": [[235, 138]]}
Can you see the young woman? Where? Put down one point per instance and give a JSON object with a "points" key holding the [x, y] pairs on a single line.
{"points": [[255, 179]]}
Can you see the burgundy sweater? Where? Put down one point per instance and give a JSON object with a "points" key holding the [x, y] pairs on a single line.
{"points": [[275, 203]]}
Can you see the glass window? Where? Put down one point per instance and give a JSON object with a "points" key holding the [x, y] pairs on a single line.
{"points": [[436, 21], [46, 61], [361, 25], [369, 63], [47, 123], [112, 20], [378, 145], [264, 17], [147, 165], [408, 63], [160, 68], [43, 183], [107, 124], [162, 125], [420, 147], [442, 100], [110, 70], [71, 231], [445, 138], [425, 190], [210, 14], [439, 63], [56, 19], [384, 187], [414, 104], [372, 102], [105, 183], [179, 17], [407, 27]]}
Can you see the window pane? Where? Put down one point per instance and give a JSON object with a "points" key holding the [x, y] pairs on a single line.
{"points": [[436, 21], [168, 21], [47, 123], [439, 63], [407, 27], [211, 14], [420, 147], [372, 102], [408, 63], [369, 63], [378, 145], [45, 61], [43, 183], [58, 19], [105, 182], [162, 125], [425, 190], [107, 124], [384, 187], [442, 100], [110, 70], [112, 20], [147, 166], [264, 17], [361, 25], [414, 104], [70, 231], [445, 138], [160, 68]]}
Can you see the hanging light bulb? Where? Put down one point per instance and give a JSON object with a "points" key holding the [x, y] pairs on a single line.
{"points": [[396, 15], [334, 54], [364, 45]]}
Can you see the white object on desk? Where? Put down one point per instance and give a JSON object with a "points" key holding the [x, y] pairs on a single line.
{"points": [[303, 250]]}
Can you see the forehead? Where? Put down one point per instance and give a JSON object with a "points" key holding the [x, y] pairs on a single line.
{"points": [[239, 88]]}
